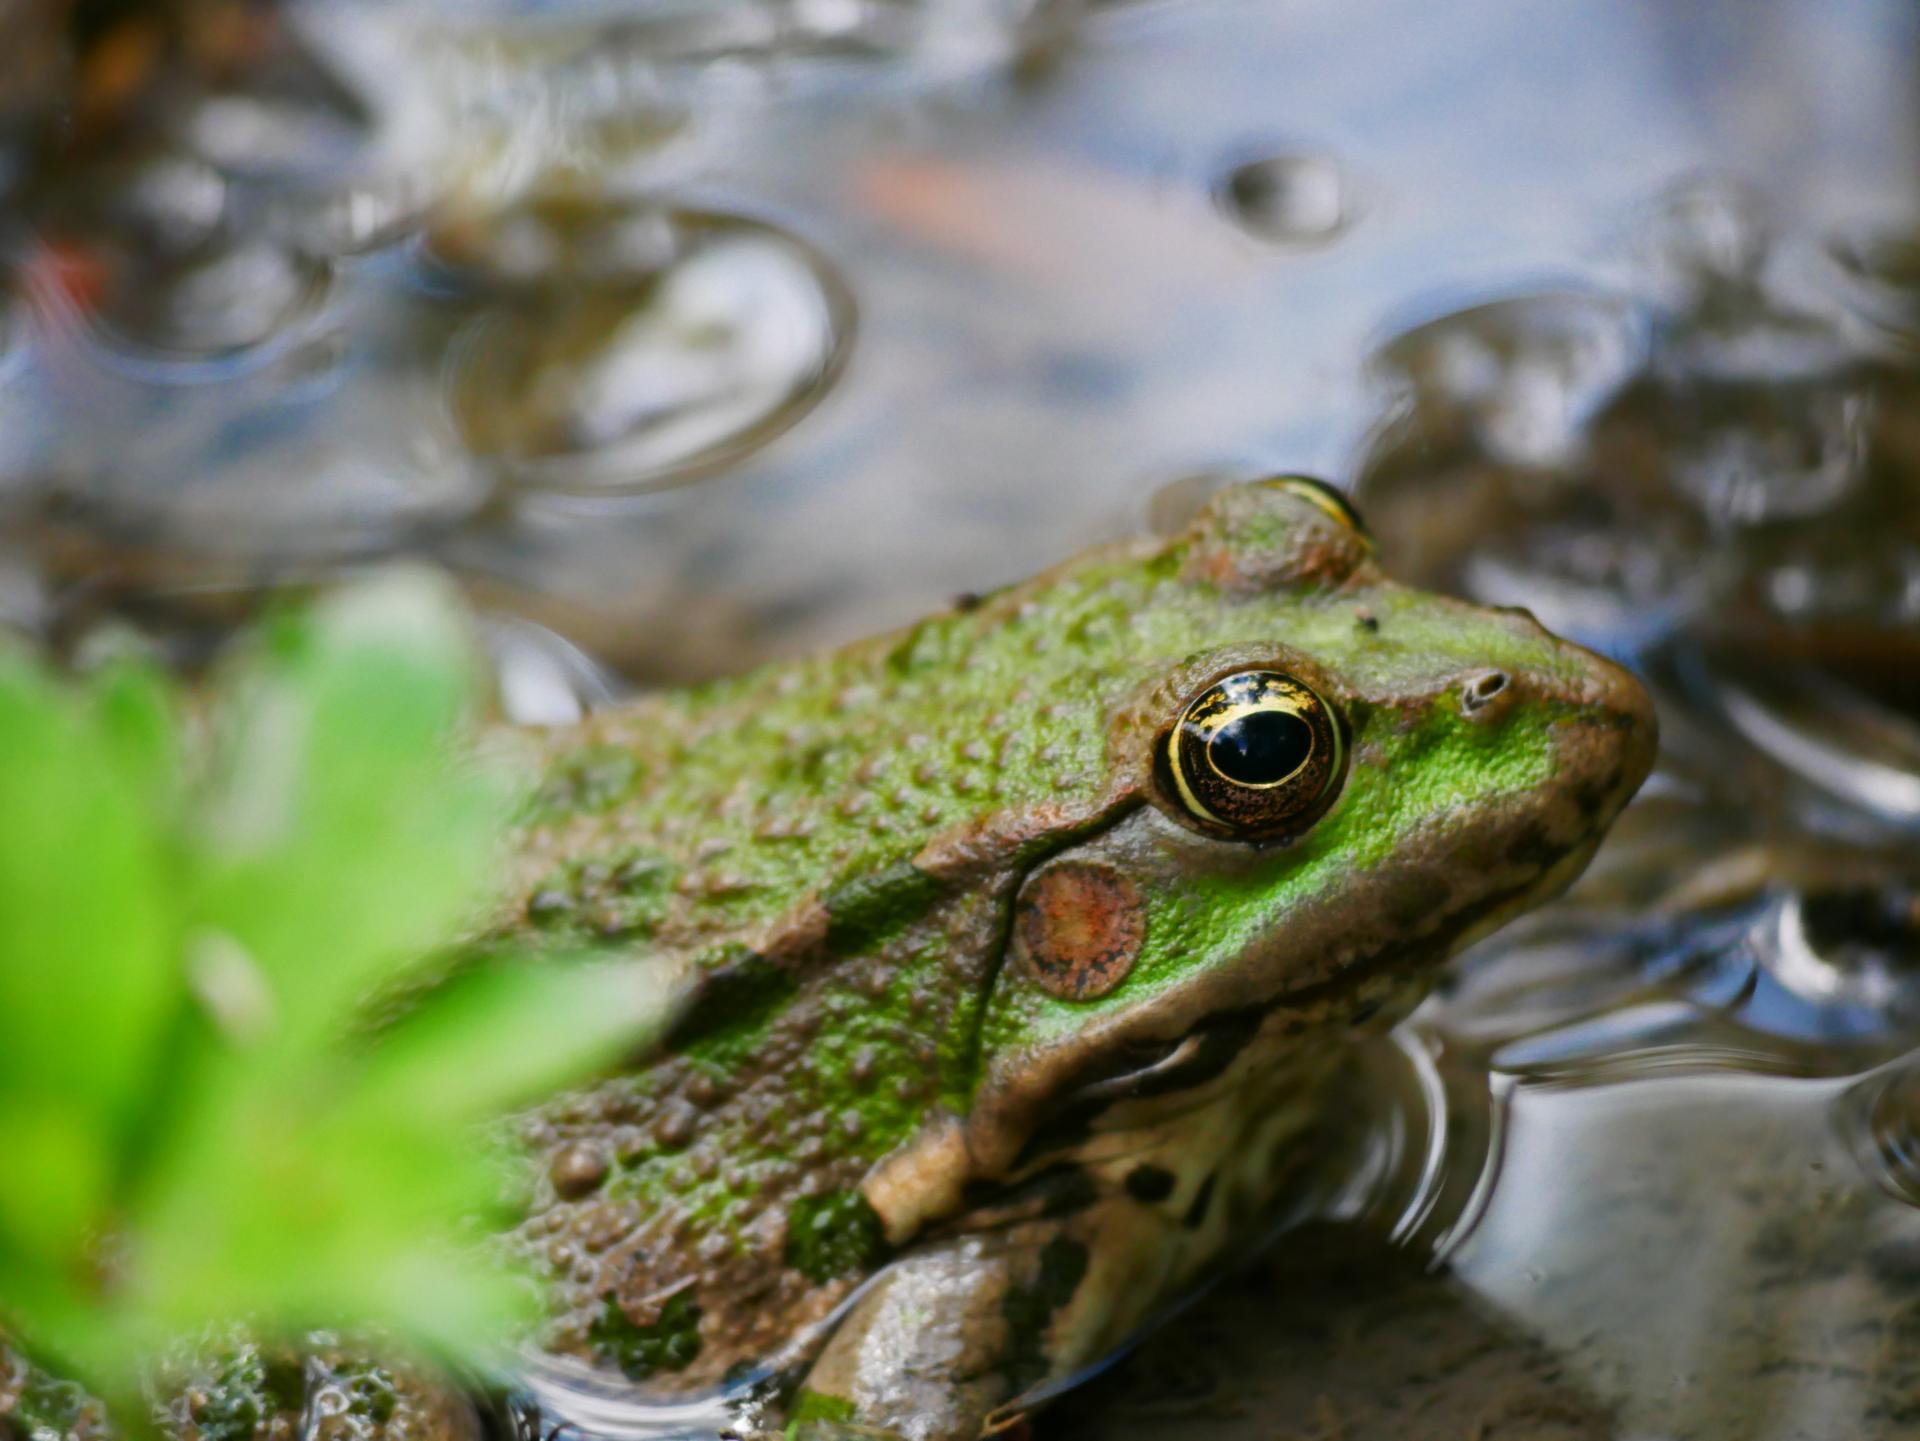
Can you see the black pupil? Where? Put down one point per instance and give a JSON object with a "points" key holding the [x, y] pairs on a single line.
{"points": [[1261, 747]]}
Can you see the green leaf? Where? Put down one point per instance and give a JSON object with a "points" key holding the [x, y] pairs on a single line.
{"points": [[346, 834], [287, 1209], [87, 959], [511, 1033], [194, 1129], [135, 716], [58, 1168]]}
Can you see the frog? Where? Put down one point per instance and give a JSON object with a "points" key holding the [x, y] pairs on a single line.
{"points": [[1018, 947]]}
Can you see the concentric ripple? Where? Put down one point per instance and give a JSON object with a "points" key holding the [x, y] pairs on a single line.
{"points": [[622, 350]]}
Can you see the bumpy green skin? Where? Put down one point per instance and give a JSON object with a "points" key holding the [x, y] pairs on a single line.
{"points": [[234, 1389], [833, 849], [35, 1406]]}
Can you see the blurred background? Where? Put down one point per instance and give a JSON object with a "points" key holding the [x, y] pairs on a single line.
{"points": [[690, 333]]}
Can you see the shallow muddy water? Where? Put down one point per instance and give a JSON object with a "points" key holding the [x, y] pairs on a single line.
{"points": [[691, 335]]}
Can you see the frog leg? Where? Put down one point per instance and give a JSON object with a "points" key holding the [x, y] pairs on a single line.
{"points": [[946, 1343], [939, 1339], [1054, 1274]]}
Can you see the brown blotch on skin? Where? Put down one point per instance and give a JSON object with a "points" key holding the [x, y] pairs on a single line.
{"points": [[1078, 928], [1534, 846], [1420, 896]]}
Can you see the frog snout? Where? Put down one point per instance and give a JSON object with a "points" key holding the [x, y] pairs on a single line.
{"points": [[1607, 748]]}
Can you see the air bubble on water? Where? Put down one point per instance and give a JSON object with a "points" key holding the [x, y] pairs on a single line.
{"points": [[1752, 411], [554, 243], [1295, 199], [292, 112], [1480, 480], [1757, 403], [167, 203], [358, 216], [150, 257]]}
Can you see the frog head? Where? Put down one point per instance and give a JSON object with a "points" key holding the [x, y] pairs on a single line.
{"points": [[1302, 816]]}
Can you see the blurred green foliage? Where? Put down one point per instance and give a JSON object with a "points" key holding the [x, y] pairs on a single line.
{"points": [[197, 1124]]}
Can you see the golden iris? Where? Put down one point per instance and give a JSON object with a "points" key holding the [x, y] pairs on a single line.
{"points": [[1257, 754]]}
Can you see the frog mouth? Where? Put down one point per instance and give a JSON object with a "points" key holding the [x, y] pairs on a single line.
{"points": [[1427, 957]]}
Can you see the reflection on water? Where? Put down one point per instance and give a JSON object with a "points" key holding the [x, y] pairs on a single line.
{"points": [[1610, 311]]}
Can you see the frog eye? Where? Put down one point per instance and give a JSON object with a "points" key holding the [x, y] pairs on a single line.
{"points": [[1326, 498], [1256, 755]]}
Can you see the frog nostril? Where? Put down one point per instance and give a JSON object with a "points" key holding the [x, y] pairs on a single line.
{"points": [[1480, 692]]}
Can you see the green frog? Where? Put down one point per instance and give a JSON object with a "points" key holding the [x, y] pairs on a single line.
{"points": [[1018, 943]]}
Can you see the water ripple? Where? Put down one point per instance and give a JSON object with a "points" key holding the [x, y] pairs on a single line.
{"points": [[625, 350]]}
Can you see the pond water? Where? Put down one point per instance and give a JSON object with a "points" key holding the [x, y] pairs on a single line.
{"points": [[689, 335]]}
